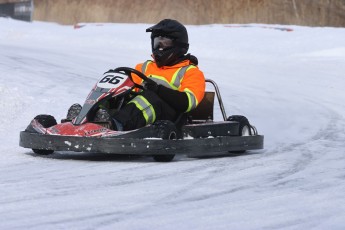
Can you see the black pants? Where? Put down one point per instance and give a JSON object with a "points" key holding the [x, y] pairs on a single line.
{"points": [[132, 117]]}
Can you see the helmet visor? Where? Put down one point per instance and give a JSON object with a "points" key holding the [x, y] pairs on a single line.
{"points": [[162, 42]]}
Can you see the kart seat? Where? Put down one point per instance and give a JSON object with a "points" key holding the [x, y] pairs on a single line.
{"points": [[204, 111]]}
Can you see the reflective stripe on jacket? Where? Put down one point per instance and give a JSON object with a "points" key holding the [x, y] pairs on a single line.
{"points": [[145, 107], [184, 77]]}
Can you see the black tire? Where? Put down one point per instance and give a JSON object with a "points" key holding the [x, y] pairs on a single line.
{"points": [[244, 128], [42, 151], [167, 131], [163, 158], [46, 121]]}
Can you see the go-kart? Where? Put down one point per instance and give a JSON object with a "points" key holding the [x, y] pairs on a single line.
{"points": [[194, 134]]}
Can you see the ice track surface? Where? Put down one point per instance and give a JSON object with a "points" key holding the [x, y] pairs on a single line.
{"points": [[289, 84]]}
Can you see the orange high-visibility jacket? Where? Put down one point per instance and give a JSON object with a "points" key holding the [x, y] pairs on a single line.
{"points": [[184, 77]]}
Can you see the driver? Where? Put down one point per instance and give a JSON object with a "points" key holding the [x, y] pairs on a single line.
{"points": [[175, 84]]}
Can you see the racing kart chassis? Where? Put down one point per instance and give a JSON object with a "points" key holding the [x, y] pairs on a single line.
{"points": [[194, 134]]}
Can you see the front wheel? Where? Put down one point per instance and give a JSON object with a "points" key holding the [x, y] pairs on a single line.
{"points": [[46, 121], [163, 158], [167, 131], [42, 151]]}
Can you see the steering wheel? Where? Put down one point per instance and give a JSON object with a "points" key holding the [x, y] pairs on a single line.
{"points": [[128, 71]]}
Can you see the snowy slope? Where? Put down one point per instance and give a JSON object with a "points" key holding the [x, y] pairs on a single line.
{"points": [[289, 84]]}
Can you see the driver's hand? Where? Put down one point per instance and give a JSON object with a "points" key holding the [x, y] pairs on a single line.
{"points": [[150, 84]]}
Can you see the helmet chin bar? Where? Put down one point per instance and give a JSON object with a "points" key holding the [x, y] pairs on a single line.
{"points": [[165, 57]]}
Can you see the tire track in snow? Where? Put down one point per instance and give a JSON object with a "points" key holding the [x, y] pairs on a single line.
{"points": [[324, 138]]}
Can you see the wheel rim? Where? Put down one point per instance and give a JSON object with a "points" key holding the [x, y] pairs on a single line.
{"points": [[245, 131], [172, 136]]}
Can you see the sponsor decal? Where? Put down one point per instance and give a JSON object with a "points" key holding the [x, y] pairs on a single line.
{"points": [[95, 131], [53, 130], [90, 101]]}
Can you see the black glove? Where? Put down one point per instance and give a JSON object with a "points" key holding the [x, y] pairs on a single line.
{"points": [[150, 84]]}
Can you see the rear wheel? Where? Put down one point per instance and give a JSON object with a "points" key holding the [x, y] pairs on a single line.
{"points": [[167, 131], [46, 121], [244, 128]]}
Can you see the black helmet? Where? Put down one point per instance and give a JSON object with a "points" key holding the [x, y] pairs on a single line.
{"points": [[165, 52]]}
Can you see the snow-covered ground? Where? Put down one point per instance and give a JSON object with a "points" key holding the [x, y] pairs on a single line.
{"points": [[289, 84]]}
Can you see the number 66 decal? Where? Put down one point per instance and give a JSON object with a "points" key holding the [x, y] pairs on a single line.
{"points": [[111, 80]]}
